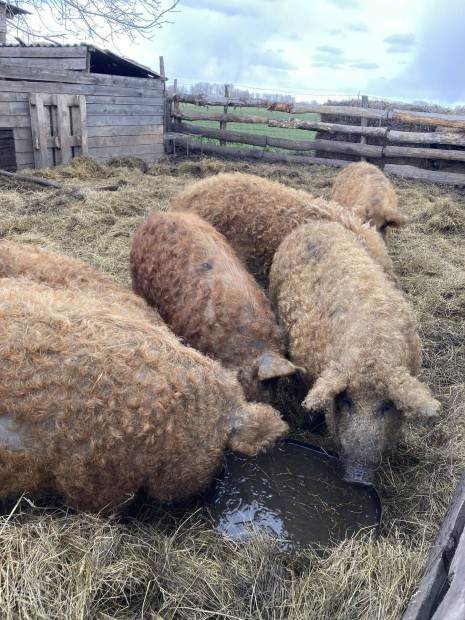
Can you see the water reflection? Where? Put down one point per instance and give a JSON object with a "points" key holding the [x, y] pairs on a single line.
{"points": [[294, 492]]}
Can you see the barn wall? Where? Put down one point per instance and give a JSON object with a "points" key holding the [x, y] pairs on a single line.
{"points": [[124, 114]]}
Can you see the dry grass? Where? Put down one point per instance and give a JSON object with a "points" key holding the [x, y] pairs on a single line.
{"points": [[170, 565]]}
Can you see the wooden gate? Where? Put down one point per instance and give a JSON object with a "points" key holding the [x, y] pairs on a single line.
{"points": [[59, 128]]}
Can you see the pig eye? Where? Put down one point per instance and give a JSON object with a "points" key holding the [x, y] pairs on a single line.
{"points": [[344, 403], [386, 408], [268, 384], [206, 267]]}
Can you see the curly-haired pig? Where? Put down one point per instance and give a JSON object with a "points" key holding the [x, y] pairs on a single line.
{"points": [[365, 190], [186, 269], [98, 403], [356, 336], [255, 214]]}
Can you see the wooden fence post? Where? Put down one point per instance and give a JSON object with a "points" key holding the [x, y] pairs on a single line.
{"points": [[223, 124], [364, 123]]}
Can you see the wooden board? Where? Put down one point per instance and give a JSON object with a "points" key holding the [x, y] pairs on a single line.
{"points": [[13, 72], [125, 130], [432, 176], [140, 89], [116, 121], [446, 562], [68, 51], [60, 64]]}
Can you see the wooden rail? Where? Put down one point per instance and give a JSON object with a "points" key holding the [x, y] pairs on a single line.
{"points": [[391, 143]]}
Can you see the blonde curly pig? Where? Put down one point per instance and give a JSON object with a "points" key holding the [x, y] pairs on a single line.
{"points": [[255, 214], [356, 336], [98, 403], [365, 190]]}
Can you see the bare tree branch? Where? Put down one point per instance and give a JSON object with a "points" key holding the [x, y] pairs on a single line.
{"points": [[99, 20]]}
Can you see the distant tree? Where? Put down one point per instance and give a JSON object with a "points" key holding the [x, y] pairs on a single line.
{"points": [[97, 20]]}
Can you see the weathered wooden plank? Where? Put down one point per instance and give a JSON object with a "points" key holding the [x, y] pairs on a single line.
{"points": [[431, 176], [12, 96], [125, 130], [75, 51], [25, 160], [439, 558], [295, 145], [14, 121], [64, 128], [23, 146], [15, 108], [428, 118], [40, 126], [223, 134], [60, 64], [295, 123], [244, 153], [230, 118], [79, 120], [72, 77], [125, 140], [116, 121], [452, 606], [332, 146], [354, 111], [429, 137], [22, 133], [151, 99], [423, 153], [82, 89], [340, 110], [125, 109]]}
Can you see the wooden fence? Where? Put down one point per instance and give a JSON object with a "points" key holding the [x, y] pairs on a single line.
{"points": [[391, 145]]}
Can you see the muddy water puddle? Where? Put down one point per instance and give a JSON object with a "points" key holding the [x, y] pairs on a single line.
{"points": [[294, 492]]}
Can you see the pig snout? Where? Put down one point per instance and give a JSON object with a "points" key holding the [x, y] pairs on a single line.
{"points": [[355, 473]]}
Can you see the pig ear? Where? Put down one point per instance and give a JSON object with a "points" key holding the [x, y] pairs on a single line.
{"points": [[256, 427], [412, 397], [397, 220], [271, 366], [332, 381]]}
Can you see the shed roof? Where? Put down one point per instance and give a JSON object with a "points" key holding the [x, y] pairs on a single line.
{"points": [[100, 61]]}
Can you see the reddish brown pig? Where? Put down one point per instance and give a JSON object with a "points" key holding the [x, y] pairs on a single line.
{"points": [[184, 268]]}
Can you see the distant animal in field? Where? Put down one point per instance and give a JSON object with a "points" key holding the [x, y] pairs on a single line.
{"points": [[365, 190], [98, 403], [255, 214], [186, 269], [356, 336]]}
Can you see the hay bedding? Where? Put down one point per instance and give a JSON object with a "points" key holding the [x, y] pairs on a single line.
{"points": [[55, 564]]}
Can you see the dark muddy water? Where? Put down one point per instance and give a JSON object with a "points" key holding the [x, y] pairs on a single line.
{"points": [[294, 492]]}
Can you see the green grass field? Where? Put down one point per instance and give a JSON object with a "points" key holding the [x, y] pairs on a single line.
{"points": [[258, 129]]}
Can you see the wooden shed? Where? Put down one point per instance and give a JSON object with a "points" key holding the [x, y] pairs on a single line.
{"points": [[61, 101]]}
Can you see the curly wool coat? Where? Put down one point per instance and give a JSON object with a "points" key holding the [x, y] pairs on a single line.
{"points": [[255, 214], [356, 336], [59, 271], [186, 269], [365, 190], [97, 403]]}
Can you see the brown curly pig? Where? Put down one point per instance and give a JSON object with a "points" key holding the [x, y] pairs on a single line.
{"points": [[186, 269], [365, 190], [98, 403], [255, 214], [356, 336], [59, 271]]}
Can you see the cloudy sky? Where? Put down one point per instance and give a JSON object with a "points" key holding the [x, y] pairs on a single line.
{"points": [[314, 49]]}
